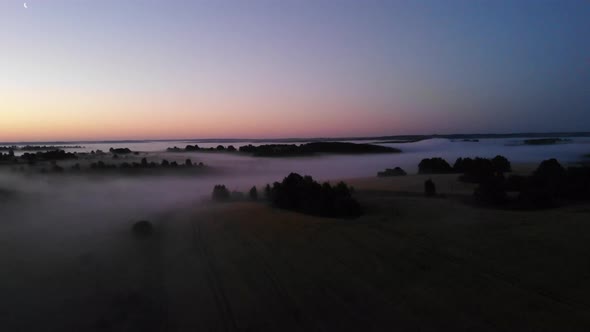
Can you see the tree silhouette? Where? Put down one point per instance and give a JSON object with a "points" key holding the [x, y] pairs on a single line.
{"points": [[429, 188], [253, 193]]}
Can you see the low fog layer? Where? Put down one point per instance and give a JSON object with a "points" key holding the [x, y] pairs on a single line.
{"points": [[49, 222]]}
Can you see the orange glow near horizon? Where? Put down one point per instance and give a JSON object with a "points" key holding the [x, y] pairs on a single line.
{"points": [[59, 116]]}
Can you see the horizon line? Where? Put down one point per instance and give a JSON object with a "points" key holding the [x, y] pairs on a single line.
{"points": [[301, 139]]}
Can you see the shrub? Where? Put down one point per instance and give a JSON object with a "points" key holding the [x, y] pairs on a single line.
{"points": [[253, 193], [433, 166], [143, 228], [501, 164], [429, 188], [550, 170], [220, 193], [478, 169], [188, 163], [492, 190], [119, 150], [392, 172]]}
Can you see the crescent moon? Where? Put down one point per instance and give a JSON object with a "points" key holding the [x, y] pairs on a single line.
{"points": [[25, 5]]}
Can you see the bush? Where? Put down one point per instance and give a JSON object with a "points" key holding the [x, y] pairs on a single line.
{"points": [[392, 172], [501, 164], [492, 190], [253, 193], [120, 150], [434, 166], [478, 169], [303, 194], [548, 186], [220, 193], [143, 228], [429, 188]]}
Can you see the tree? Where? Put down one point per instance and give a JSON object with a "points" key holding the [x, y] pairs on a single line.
{"points": [[220, 193], [501, 164], [253, 193], [433, 166], [188, 163], [429, 188], [303, 194]]}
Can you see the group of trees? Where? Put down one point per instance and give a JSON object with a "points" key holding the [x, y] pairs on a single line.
{"points": [[222, 194], [546, 141], [48, 156], [302, 194], [194, 148], [392, 172], [549, 185], [434, 166], [279, 150], [120, 151], [143, 164], [474, 170], [9, 156]]}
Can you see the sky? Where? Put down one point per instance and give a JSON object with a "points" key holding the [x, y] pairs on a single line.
{"points": [[165, 69]]}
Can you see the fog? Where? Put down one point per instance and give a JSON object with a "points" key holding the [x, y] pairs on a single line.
{"points": [[50, 222]]}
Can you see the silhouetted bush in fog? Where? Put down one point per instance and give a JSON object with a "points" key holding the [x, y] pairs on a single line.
{"points": [[220, 193], [548, 186], [392, 172], [434, 166], [429, 188], [253, 193], [143, 228]]}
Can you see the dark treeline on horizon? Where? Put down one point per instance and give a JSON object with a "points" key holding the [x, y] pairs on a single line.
{"points": [[408, 137]]}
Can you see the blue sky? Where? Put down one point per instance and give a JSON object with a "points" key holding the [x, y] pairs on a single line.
{"points": [[159, 69]]}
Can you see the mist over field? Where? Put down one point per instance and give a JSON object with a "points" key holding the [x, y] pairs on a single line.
{"points": [[61, 234]]}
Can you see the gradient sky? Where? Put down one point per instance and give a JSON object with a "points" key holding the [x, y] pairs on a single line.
{"points": [[130, 69]]}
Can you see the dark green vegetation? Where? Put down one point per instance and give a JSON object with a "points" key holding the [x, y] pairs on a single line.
{"points": [[33, 158], [546, 141], [303, 194], [549, 186], [47, 162], [143, 228], [478, 169], [429, 188], [434, 166], [134, 167], [196, 148], [253, 193], [473, 169], [39, 147], [282, 150], [120, 151], [220, 193], [392, 172]]}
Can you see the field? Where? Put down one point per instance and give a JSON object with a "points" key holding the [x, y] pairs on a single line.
{"points": [[411, 263]]}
